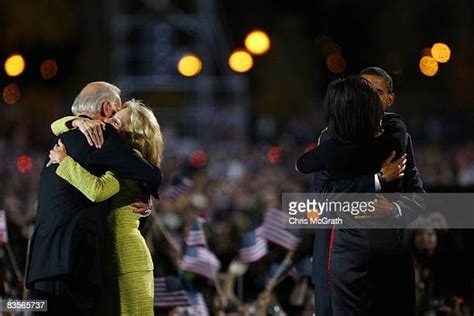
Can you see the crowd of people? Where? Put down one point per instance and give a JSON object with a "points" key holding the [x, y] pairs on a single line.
{"points": [[232, 186]]}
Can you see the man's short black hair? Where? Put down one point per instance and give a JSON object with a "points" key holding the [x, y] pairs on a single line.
{"points": [[377, 71]]}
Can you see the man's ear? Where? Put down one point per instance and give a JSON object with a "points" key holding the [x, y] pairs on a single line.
{"points": [[391, 99], [106, 109]]}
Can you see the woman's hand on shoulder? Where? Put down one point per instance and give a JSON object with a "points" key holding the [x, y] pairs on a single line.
{"points": [[57, 154], [392, 168], [92, 129]]}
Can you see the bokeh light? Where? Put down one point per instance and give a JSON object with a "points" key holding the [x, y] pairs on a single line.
{"points": [[313, 214], [24, 163], [14, 65], [11, 93], [257, 42], [189, 65], [428, 66], [274, 154], [441, 52], [240, 61], [48, 69], [336, 63], [198, 159]]}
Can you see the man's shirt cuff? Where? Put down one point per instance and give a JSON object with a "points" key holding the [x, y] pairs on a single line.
{"points": [[378, 187]]}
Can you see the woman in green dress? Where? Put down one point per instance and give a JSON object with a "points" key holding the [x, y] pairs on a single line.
{"points": [[128, 267]]}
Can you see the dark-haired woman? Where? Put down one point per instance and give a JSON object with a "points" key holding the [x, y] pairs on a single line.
{"points": [[356, 271]]}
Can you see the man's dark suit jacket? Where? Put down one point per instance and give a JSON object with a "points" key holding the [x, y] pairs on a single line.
{"points": [[68, 234]]}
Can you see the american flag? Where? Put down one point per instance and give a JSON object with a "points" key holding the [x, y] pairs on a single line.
{"points": [[169, 292], [199, 304], [3, 228], [201, 261], [254, 246], [274, 230], [196, 235], [178, 186]]}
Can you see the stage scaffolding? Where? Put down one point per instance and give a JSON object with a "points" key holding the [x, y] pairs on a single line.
{"points": [[147, 39]]}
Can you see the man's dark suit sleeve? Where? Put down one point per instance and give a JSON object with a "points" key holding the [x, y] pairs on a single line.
{"points": [[412, 205], [412, 180], [121, 160]]}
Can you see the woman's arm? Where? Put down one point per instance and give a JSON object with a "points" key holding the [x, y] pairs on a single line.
{"points": [[316, 159], [92, 129], [61, 125], [96, 189]]}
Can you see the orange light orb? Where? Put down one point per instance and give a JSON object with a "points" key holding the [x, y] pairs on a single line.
{"points": [[11, 94], [240, 61], [189, 65], [313, 215], [428, 66], [336, 63], [14, 65], [441, 52], [48, 69], [257, 42]]}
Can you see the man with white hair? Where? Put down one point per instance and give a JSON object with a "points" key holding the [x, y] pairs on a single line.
{"points": [[64, 264]]}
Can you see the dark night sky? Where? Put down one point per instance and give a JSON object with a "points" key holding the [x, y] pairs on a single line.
{"points": [[375, 33], [294, 72]]}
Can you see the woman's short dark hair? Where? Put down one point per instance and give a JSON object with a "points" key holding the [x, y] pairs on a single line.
{"points": [[353, 110]]}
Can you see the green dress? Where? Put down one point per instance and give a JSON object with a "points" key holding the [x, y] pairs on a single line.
{"points": [[127, 263]]}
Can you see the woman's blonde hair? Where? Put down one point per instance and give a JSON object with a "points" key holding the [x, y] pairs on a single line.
{"points": [[145, 131]]}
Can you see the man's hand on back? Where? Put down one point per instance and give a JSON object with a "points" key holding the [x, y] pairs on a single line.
{"points": [[383, 208], [143, 205]]}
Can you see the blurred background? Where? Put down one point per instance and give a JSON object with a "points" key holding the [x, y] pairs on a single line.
{"points": [[237, 87]]}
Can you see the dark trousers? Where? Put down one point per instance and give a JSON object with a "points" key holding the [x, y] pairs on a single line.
{"points": [[367, 272], [322, 297], [63, 298]]}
